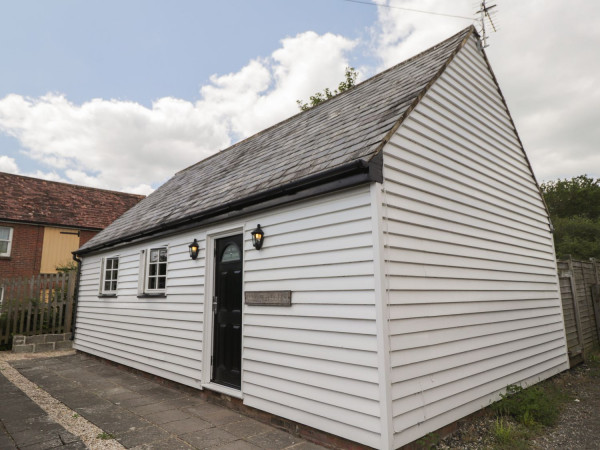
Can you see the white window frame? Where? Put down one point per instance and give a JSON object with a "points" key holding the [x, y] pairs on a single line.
{"points": [[103, 273], [1, 295], [147, 276], [10, 238]]}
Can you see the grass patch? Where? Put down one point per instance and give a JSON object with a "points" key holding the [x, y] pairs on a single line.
{"points": [[593, 363], [509, 435], [428, 441], [105, 436], [524, 412], [534, 406]]}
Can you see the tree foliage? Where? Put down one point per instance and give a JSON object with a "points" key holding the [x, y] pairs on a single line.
{"points": [[574, 206], [349, 82]]}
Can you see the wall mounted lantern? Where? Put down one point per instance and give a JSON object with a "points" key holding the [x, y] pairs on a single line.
{"points": [[194, 249], [258, 236]]}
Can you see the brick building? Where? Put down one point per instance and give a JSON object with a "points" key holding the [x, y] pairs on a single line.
{"points": [[42, 222]]}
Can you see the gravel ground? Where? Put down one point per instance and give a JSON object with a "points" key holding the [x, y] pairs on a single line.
{"points": [[57, 411], [579, 423], [578, 427]]}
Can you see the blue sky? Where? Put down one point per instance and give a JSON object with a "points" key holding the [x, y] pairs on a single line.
{"points": [[143, 50], [121, 95]]}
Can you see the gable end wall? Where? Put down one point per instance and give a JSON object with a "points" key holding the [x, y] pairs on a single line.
{"points": [[470, 270]]}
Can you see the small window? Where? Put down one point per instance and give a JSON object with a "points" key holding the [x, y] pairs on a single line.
{"points": [[157, 270], [6, 234], [1, 295], [110, 274], [231, 253]]}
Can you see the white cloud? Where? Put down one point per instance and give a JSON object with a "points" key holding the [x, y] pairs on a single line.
{"points": [[126, 146], [401, 33], [111, 144], [546, 62], [8, 165], [265, 91], [545, 59]]}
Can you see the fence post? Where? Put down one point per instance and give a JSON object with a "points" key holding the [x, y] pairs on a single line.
{"points": [[70, 297], [596, 295], [576, 306]]}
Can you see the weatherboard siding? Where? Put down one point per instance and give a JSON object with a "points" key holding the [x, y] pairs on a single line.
{"points": [[471, 280], [162, 336], [314, 362]]}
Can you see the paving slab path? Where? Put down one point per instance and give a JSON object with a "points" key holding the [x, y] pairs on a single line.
{"points": [[23, 424], [143, 414]]}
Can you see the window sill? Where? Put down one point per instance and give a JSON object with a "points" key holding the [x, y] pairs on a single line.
{"points": [[5, 257], [157, 295], [107, 295]]}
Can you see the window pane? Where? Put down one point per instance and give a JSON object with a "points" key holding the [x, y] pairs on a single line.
{"points": [[3, 246], [163, 255], [162, 269], [116, 263], [107, 285], [113, 286], [161, 283], [109, 263], [153, 256], [4, 233], [151, 283], [152, 270], [231, 253]]}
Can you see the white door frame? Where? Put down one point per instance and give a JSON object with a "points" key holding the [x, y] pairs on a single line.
{"points": [[209, 292]]}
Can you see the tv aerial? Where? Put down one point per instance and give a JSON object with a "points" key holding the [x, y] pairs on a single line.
{"points": [[484, 14]]}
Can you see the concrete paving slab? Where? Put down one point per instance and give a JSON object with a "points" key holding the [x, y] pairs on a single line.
{"points": [[186, 426], [307, 446], [246, 428], [147, 435], [171, 443], [204, 409], [6, 442], [274, 440], [152, 408], [23, 424], [210, 437], [223, 417], [163, 417], [238, 445], [144, 414]]}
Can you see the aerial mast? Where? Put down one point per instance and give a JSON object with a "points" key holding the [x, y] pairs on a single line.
{"points": [[484, 12]]}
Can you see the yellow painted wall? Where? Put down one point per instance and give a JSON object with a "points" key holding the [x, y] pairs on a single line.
{"points": [[57, 248]]}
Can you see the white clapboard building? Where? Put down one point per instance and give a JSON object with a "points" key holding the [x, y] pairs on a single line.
{"points": [[406, 277]]}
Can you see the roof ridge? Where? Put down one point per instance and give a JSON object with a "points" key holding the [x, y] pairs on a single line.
{"points": [[79, 186], [327, 101]]}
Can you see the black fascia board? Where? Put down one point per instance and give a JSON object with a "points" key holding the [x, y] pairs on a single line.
{"points": [[348, 175]]}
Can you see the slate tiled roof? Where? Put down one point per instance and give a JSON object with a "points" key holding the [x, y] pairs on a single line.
{"points": [[351, 127], [32, 200]]}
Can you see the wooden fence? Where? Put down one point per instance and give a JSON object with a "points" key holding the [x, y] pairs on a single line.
{"points": [[580, 293], [38, 305]]}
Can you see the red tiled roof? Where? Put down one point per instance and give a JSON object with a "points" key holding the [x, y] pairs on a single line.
{"points": [[26, 199]]}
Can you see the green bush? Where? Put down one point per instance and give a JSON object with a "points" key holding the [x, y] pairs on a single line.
{"points": [[577, 236], [533, 406]]}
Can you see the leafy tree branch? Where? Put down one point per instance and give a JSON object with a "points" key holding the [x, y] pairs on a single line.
{"points": [[348, 83]]}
